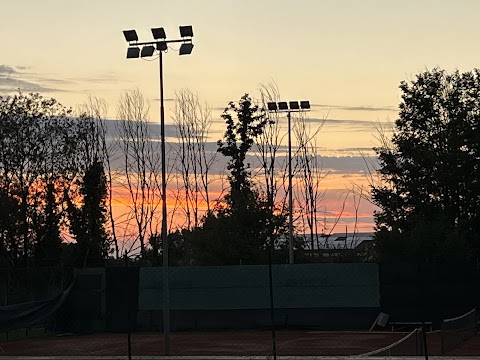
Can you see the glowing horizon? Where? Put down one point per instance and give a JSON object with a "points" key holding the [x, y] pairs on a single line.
{"points": [[331, 53]]}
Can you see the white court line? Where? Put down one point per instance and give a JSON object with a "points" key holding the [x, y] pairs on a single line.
{"points": [[234, 358]]}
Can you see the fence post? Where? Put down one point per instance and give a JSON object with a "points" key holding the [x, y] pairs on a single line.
{"points": [[423, 306], [8, 289], [129, 338], [272, 308], [8, 283]]}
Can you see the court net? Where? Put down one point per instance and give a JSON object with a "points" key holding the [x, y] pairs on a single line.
{"points": [[409, 345], [456, 330]]}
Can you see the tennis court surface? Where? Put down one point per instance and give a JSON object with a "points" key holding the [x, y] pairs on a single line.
{"points": [[248, 343]]}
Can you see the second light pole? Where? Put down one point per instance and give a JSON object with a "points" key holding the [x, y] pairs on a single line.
{"points": [[159, 45], [291, 106]]}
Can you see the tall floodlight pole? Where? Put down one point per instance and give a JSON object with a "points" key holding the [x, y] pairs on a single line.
{"points": [[159, 45], [292, 106]]}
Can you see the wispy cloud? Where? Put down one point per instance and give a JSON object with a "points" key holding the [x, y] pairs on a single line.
{"points": [[356, 108], [4, 69], [344, 161], [334, 164], [12, 80], [165, 100], [10, 84], [220, 109], [96, 78], [51, 80], [349, 125], [340, 107], [348, 164]]}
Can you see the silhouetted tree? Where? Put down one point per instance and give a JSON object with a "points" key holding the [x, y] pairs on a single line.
{"points": [[88, 220], [48, 246], [310, 174], [238, 140], [430, 195], [9, 227], [269, 144], [193, 161], [141, 166], [36, 148], [236, 232], [94, 111]]}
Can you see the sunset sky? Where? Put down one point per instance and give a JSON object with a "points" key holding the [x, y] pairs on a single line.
{"points": [[346, 57]]}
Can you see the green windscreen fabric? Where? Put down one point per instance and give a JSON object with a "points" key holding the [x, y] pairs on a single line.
{"points": [[246, 287], [32, 313]]}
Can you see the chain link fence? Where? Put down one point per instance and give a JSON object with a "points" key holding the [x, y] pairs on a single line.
{"points": [[326, 309]]}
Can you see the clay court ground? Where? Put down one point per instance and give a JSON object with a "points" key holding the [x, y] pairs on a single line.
{"points": [[235, 344]]}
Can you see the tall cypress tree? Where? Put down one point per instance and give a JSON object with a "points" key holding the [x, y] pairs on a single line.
{"points": [[88, 220]]}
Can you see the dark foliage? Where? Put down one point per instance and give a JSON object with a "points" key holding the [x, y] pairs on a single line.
{"points": [[430, 197], [88, 221], [239, 230], [36, 154], [48, 247]]}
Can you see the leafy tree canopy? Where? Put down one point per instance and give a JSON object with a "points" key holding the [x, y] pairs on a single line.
{"points": [[238, 140], [429, 198], [44, 149], [238, 231]]}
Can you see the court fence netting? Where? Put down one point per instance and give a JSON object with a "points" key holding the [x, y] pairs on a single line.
{"points": [[316, 310], [410, 345], [456, 330]]}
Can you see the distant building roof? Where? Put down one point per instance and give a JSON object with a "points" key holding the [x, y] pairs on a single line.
{"points": [[335, 241]]}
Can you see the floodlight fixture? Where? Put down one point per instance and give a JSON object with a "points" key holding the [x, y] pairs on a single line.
{"points": [[294, 105], [159, 33], [186, 49], [130, 35], [289, 107], [162, 46], [147, 51], [159, 44], [186, 31], [305, 105], [283, 105], [133, 52], [272, 106]]}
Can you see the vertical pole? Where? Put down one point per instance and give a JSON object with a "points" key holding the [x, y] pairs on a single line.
{"points": [[424, 339], [166, 292], [8, 282], [272, 308], [290, 193], [127, 294], [424, 311], [421, 282], [8, 288]]}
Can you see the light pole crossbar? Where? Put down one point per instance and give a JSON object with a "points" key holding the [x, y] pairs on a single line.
{"points": [[161, 47], [156, 42], [274, 107]]}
